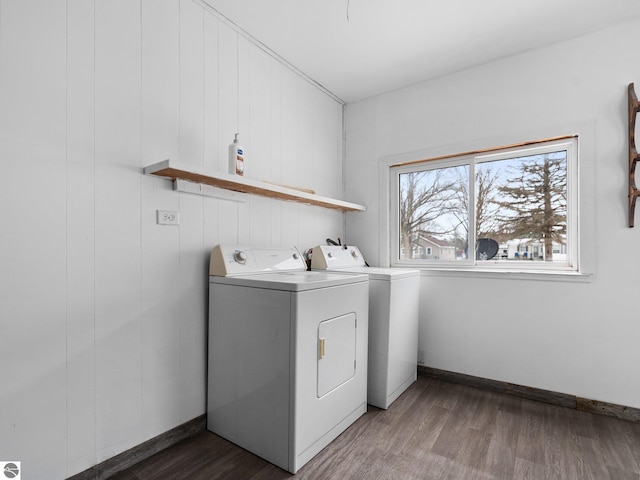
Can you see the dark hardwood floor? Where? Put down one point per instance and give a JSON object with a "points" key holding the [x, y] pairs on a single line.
{"points": [[435, 430]]}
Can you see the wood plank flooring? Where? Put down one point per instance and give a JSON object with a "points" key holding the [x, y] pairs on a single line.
{"points": [[435, 430]]}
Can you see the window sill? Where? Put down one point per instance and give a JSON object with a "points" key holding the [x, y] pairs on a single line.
{"points": [[504, 274]]}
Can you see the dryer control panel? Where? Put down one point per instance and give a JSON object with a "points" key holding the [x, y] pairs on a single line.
{"points": [[229, 260], [331, 257]]}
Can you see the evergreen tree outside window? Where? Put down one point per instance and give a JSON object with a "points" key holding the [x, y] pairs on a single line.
{"points": [[510, 208]]}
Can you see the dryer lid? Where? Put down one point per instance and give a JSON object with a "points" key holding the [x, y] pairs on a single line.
{"points": [[290, 281]]}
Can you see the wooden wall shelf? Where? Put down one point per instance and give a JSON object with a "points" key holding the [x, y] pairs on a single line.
{"points": [[170, 169], [634, 108]]}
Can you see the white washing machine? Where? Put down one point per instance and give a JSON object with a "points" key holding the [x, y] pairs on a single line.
{"points": [[287, 368], [393, 320]]}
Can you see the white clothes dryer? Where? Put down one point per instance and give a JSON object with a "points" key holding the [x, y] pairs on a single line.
{"points": [[287, 362], [393, 320]]}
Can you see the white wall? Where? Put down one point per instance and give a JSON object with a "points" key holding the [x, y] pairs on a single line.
{"points": [[579, 338], [102, 312]]}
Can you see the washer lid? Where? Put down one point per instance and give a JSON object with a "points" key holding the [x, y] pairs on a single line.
{"points": [[349, 259], [381, 273], [291, 281]]}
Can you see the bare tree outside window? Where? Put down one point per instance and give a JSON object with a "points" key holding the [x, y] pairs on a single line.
{"points": [[427, 200]]}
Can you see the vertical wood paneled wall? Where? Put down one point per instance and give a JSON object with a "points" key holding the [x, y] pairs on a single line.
{"points": [[102, 312]]}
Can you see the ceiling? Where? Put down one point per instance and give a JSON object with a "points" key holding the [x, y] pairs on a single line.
{"points": [[359, 48]]}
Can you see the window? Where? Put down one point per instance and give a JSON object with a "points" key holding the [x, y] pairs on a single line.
{"points": [[508, 208]]}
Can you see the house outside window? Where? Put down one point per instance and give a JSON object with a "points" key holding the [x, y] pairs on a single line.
{"points": [[509, 208]]}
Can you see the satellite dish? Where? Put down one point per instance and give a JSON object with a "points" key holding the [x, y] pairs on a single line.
{"points": [[486, 248]]}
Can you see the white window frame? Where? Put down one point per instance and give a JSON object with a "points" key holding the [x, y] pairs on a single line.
{"points": [[570, 144]]}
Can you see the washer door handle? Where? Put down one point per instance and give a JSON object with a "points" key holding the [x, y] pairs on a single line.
{"points": [[321, 348]]}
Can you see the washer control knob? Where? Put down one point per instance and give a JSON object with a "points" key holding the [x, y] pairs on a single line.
{"points": [[354, 254], [240, 257], [296, 256], [330, 255]]}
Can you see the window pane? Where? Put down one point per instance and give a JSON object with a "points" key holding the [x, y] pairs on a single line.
{"points": [[521, 208], [433, 214]]}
